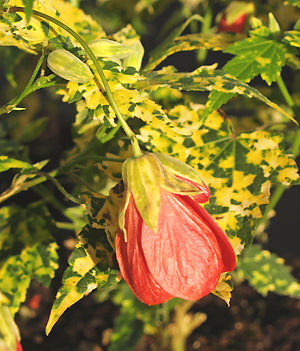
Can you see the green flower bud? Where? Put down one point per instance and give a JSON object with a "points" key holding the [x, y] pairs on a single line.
{"points": [[68, 66]]}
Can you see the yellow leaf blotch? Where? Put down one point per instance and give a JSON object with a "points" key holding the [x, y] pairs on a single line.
{"points": [[263, 61]]}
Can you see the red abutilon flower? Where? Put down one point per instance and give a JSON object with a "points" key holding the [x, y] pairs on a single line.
{"points": [[234, 17], [168, 245], [236, 27]]}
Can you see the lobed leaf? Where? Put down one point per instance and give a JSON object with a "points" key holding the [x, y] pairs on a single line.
{"points": [[239, 169], [254, 56], [258, 55], [267, 272]]}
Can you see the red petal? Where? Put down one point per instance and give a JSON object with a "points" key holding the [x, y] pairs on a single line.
{"points": [[204, 193], [132, 262], [190, 250], [18, 346]]}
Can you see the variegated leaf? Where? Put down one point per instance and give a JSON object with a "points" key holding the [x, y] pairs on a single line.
{"points": [[27, 250], [239, 169], [15, 31], [267, 272], [91, 267], [203, 79]]}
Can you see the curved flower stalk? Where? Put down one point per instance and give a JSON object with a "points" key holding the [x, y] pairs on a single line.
{"points": [[168, 245]]}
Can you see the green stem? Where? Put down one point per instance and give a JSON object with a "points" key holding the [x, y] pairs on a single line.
{"points": [[15, 101], [60, 187], [206, 26], [280, 189], [135, 145], [285, 92]]}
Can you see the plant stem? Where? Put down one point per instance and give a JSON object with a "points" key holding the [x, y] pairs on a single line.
{"points": [[15, 101], [60, 187], [285, 92], [135, 145], [206, 26], [280, 189]]}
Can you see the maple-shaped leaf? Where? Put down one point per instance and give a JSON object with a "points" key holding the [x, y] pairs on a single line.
{"points": [[261, 54], [239, 169], [254, 56], [267, 272]]}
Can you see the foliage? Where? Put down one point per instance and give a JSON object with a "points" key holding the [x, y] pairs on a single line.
{"points": [[267, 272], [247, 161]]}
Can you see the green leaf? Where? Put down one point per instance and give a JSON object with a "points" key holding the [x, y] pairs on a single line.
{"points": [[239, 169], [266, 272], [135, 319], [90, 267], [256, 56], [27, 250], [8, 163]]}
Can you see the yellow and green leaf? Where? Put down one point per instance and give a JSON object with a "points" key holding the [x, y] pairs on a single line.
{"points": [[267, 272], [32, 36], [239, 169], [27, 250], [90, 267]]}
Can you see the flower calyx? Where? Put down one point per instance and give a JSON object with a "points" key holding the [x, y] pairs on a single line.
{"points": [[143, 177]]}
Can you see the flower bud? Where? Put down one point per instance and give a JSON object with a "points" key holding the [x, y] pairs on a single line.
{"points": [[68, 66]]}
